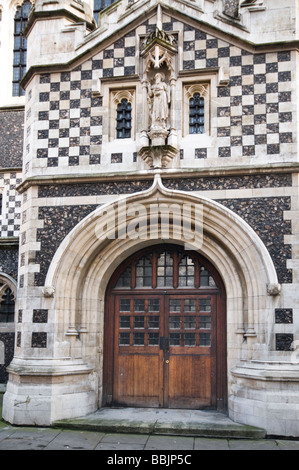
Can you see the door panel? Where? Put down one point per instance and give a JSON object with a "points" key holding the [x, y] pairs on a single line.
{"points": [[165, 332], [164, 350], [138, 362], [191, 324], [137, 379], [189, 382]]}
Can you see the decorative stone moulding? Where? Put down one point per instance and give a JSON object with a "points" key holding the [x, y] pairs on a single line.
{"points": [[48, 291], [158, 48], [158, 156], [158, 141], [273, 289]]}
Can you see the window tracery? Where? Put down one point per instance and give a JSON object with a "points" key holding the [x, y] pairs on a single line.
{"points": [[166, 268]]}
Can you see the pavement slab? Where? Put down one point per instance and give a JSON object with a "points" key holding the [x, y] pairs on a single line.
{"points": [[30, 438]]}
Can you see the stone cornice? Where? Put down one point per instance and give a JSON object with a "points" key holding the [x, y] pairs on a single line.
{"points": [[149, 174]]}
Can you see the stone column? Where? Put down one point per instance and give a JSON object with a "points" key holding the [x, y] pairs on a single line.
{"points": [[144, 142], [172, 139]]}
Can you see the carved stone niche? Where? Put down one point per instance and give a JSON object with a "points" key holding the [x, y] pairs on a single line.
{"points": [[158, 142]]}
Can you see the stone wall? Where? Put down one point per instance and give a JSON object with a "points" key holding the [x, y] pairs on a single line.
{"points": [[252, 120], [11, 138]]}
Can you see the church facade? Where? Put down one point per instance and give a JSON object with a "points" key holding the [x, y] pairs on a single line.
{"points": [[154, 213]]}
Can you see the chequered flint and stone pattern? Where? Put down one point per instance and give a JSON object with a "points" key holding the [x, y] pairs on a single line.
{"points": [[11, 204], [254, 113], [253, 117]]}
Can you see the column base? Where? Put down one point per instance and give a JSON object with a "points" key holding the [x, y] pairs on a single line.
{"points": [[39, 394]]}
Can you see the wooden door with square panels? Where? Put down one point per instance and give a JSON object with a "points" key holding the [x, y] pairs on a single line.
{"points": [[165, 333]]}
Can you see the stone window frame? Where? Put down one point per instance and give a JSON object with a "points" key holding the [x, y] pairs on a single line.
{"points": [[189, 90], [116, 96], [8, 282]]}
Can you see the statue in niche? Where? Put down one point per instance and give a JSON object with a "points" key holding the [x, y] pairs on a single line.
{"points": [[159, 98]]}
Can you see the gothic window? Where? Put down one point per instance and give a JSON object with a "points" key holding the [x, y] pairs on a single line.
{"points": [[124, 118], [159, 268], [196, 114], [100, 5], [7, 305], [20, 47]]}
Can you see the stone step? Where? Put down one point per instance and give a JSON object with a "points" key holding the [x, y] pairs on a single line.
{"points": [[163, 421]]}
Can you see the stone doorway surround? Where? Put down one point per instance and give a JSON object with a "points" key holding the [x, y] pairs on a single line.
{"points": [[68, 382]]}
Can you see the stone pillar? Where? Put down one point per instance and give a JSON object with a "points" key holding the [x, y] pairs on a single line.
{"points": [[145, 118], [172, 139]]}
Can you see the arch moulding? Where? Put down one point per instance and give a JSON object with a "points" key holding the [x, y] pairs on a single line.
{"points": [[78, 276], [83, 264]]}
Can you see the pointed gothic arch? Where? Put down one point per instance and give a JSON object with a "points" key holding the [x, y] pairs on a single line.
{"points": [[85, 261]]}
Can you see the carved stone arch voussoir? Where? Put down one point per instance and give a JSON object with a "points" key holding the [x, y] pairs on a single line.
{"points": [[118, 96], [196, 88]]}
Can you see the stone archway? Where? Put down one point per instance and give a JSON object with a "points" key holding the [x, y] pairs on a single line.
{"points": [[85, 261]]}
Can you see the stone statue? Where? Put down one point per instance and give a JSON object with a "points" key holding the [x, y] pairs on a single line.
{"points": [[160, 98]]}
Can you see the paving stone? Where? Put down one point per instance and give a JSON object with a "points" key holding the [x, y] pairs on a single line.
{"points": [[287, 444], [28, 439], [244, 444], [76, 440], [210, 444], [119, 446], [125, 438], [169, 442]]}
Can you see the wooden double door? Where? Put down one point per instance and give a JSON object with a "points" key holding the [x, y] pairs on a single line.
{"points": [[164, 346]]}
